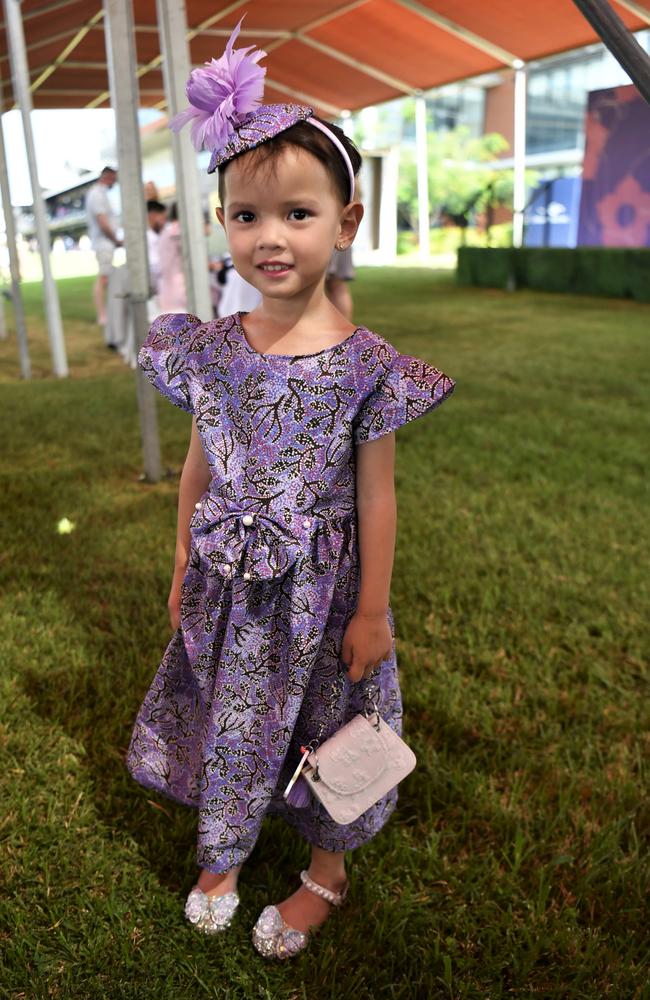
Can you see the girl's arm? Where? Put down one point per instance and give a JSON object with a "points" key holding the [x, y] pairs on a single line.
{"points": [[195, 479], [368, 639]]}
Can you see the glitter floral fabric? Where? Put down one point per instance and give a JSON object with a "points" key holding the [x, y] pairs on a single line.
{"points": [[273, 575], [257, 127]]}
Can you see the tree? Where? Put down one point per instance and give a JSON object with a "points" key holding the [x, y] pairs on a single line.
{"points": [[460, 181]]}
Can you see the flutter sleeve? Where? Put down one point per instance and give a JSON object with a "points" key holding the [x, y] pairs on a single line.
{"points": [[409, 388], [164, 356]]}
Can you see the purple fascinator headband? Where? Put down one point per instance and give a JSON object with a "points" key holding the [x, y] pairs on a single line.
{"points": [[226, 113]]}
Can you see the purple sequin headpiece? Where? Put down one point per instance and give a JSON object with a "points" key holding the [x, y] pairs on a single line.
{"points": [[226, 112]]}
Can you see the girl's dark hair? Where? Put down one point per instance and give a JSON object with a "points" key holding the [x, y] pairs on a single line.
{"points": [[305, 136]]}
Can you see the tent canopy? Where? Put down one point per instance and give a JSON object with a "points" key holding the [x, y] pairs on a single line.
{"points": [[332, 55]]}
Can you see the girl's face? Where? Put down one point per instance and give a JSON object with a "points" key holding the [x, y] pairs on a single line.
{"points": [[283, 221]]}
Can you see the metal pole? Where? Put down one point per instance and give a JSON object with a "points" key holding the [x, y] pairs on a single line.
{"points": [[620, 42], [172, 27], [347, 124], [14, 262], [422, 161], [519, 153], [120, 56], [387, 203], [20, 76]]}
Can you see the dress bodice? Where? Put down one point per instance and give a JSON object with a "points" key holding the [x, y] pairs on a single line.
{"points": [[280, 432]]}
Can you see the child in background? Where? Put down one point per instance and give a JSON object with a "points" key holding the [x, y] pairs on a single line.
{"points": [[156, 219], [172, 291], [237, 295], [172, 294], [286, 517]]}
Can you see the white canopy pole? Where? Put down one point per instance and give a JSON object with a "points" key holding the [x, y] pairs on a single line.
{"points": [[120, 56], [174, 48], [20, 76], [519, 154], [422, 161], [14, 262]]}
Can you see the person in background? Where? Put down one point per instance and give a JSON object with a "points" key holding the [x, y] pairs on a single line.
{"points": [[172, 294], [237, 295], [103, 235], [215, 269], [340, 273], [156, 219]]}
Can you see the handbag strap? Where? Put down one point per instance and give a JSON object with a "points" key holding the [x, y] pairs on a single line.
{"points": [[371, 697]]}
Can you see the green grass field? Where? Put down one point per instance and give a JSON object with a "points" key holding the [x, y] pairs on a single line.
{"points": [[517, 863]]}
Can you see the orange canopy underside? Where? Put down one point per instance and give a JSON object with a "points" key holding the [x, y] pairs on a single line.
{"points": [[327, 53]]}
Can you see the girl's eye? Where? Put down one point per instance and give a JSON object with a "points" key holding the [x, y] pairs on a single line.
{"points": [[244, 217], [299, 214]]}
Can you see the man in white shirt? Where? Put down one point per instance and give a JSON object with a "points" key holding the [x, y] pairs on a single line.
{"points": [[103, 235]]}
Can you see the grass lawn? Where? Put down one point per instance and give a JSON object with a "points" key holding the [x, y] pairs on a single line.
{"points": [[517, 862]]}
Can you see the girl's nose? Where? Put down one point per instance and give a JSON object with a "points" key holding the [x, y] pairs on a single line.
{"points": [[269, 238]]}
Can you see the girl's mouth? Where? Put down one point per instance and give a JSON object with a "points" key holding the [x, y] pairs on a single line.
{"points": [[274, 270]]}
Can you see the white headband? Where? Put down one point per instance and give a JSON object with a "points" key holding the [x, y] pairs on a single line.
{"points": [[341, 148]]}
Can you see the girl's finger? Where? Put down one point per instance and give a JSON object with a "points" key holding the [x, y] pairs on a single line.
{"points": [[355, 673]]}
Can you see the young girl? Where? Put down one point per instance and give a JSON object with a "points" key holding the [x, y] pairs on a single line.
{"points": [[286, 514]]}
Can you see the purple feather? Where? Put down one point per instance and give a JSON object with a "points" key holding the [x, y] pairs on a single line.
{"points": [[299, 797], [221, 93]]}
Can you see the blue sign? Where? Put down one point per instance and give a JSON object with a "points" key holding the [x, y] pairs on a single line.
{"points": [[551, 218]]}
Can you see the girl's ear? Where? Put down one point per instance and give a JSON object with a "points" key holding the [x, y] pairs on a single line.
{"points": [[220, 215], [350, 221]]}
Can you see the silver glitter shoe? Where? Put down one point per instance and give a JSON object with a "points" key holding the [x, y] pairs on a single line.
{"points": [[210, 914], [273, 937]]}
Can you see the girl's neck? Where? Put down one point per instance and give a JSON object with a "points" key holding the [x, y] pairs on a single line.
{"points": [[303, 318]]}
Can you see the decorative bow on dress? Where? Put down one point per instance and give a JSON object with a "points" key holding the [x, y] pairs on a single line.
{"points": [[253, 546]]}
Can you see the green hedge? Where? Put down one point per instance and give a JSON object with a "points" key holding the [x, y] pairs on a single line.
{"points": [[618, 273]]}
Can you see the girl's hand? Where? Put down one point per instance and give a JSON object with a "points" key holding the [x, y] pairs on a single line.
{"points": [[366, 643], [174, 599]]}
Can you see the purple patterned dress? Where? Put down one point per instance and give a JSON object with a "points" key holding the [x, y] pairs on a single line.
{"points": [[273, 574]]}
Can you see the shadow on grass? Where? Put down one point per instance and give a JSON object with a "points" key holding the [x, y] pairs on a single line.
{"points": [[516, 864]]}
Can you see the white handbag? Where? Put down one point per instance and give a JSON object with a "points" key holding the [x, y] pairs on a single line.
{"points": [[355, 767]]}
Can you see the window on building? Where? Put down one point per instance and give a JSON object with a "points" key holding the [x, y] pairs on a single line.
{"points": [[557, 95]]}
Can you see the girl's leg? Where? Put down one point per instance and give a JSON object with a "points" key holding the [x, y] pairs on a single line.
{"points": [[218, 884], [304, 909]]}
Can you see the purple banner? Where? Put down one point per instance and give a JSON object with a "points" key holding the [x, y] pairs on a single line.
{"points": [[615, 201]]}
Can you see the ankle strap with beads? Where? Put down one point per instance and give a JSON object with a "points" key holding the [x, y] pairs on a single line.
{"points": [[335, 898]]}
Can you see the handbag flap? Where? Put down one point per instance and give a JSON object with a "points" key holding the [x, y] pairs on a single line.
{"points": [[354, 757]]}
